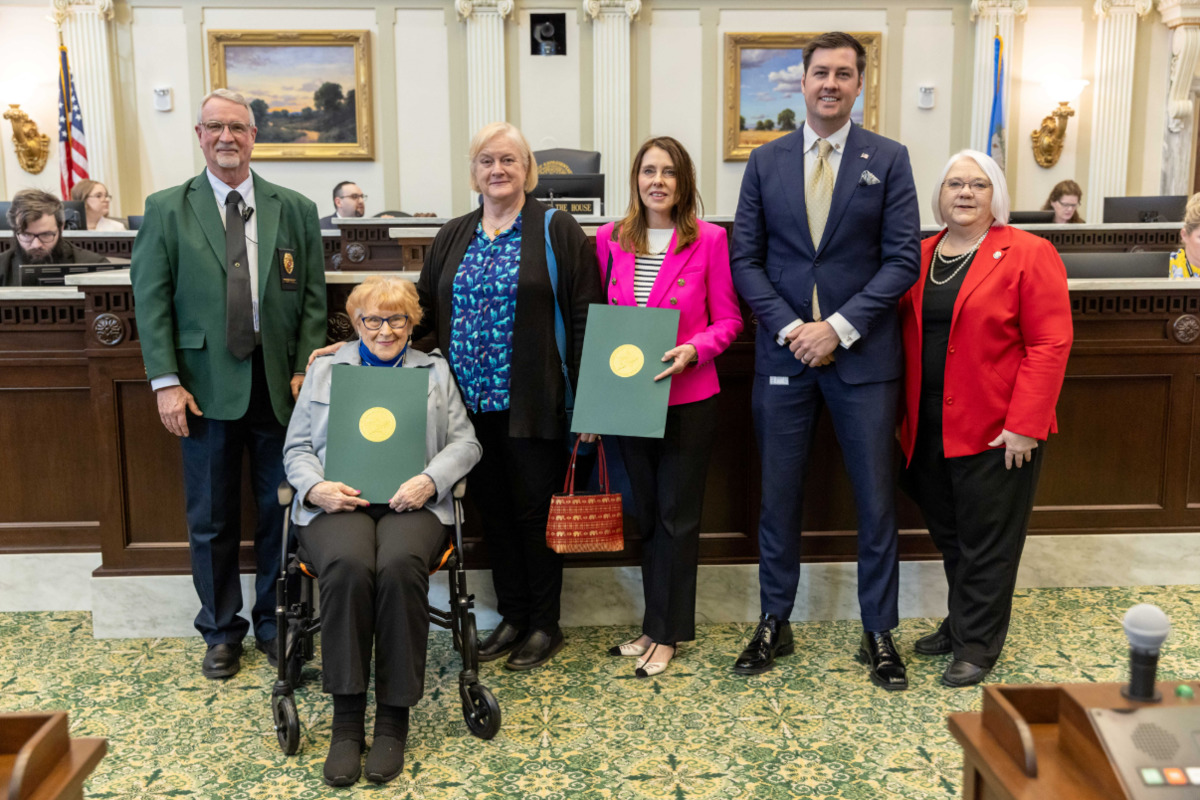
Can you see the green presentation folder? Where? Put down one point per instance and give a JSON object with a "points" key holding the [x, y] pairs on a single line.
{"points": [[377, 418], [622, 352]]}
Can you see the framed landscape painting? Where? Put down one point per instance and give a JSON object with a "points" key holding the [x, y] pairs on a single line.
{"points": [[763, 100], [310, 90]]}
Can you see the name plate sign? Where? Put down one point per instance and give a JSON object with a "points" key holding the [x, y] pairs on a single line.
{"points": [[577, 206]]}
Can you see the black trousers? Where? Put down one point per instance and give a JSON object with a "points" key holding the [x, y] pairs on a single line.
{"points": [[212, 478], [978, 515], [374, 583], [511, 488], [667, 476]]}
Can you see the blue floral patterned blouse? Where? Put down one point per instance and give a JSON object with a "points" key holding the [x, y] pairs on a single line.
{"points": [[484, 310]]}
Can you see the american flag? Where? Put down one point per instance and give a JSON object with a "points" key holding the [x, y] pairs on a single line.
{"points": [[72, 146]]}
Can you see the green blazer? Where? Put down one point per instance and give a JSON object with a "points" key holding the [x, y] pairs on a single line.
{"points": [[178, 276]]}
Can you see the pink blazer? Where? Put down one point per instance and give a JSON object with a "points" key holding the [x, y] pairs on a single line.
{"points": [[698, 283]]}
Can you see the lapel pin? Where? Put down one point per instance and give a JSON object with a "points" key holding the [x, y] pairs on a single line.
{"points": [[863, 155], [996, 255]]}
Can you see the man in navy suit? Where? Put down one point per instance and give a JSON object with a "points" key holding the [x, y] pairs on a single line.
{"points": [[826, 240]]}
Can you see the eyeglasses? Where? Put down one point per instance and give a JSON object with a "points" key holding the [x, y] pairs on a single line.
{"points": [[215, 128], [354, 197], [100, 196], [45, 238], [1071, 206], [955, 185], [395, 322]]}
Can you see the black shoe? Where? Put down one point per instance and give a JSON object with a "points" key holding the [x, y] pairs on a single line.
{"points": [[222, 660], [536, 650], [772, 638], [933, 644], [500, 641], [964, 673], [386, 759], [269, 647], [343, 765], [887, 669]]}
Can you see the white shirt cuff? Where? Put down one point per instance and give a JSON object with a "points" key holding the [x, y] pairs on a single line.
{"points": [[781, 337], [842, 327], [163, 381]]}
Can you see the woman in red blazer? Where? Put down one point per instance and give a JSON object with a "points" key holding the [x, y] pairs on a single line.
{"points": [[660, 255], [987, 331]]}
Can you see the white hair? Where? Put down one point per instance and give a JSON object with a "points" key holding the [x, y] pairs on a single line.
{"points": [[1000, 201], [225, 94]]}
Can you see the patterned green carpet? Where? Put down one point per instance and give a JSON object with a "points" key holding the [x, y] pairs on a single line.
{"points": [[584, 726]]}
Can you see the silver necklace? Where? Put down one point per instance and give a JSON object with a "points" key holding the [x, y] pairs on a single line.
{"points": [[962, 260]]}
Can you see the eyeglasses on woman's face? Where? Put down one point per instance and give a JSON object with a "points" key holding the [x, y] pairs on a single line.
{"points": [[101, 196], [956, 185], [395, 322]]}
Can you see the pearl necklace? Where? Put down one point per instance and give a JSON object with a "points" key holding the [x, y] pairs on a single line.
{"points": [[962, 259]]}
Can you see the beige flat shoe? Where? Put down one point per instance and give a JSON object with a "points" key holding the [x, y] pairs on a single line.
{"points": [[630, 648], [647, 667]]}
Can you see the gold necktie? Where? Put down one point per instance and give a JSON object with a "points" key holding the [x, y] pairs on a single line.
{"points": [[818, 194]]}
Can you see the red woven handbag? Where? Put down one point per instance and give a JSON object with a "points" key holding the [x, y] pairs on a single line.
{"points": [[585, 523]]}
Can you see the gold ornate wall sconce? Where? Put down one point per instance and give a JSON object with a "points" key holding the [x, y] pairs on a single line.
{"points": [[1048, 138], [33, 147]]}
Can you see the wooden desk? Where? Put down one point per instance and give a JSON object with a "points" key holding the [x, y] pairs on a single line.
{"points": [[40, 761], [1037, 742]]}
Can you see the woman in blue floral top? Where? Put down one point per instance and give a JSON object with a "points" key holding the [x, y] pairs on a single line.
{"points": [[487, 298], [1185, 262]]}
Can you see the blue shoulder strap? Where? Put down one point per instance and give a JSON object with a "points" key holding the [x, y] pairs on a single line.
{"points": [[560, 329]]}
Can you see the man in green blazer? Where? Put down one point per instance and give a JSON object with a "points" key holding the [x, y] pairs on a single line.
{"points": [[229, 291]]}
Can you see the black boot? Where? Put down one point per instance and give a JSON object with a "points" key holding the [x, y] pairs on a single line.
{"points": [[386, 759], [343, 765]]}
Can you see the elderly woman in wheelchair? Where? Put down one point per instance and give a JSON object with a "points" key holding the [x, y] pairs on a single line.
{"points": [[374, 560]]}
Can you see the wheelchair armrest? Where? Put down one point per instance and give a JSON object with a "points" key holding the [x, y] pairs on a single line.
{"points": [[286, 493], [460, 489]]}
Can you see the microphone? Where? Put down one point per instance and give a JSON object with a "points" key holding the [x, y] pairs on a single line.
{"points": [[1146, 627], [247, 214]]}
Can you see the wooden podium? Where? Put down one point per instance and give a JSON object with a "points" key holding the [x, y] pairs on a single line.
{"points": [[1038, 742], [40, 761]]}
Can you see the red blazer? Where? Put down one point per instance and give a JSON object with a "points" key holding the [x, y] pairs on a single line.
{"points": [[1010, 336], [698, 283]]}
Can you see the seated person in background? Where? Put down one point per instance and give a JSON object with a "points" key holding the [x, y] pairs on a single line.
{"points": [[348, 203], [36, 218], [374, 560], [96, 200], [1064, 202], [1185, 262]]}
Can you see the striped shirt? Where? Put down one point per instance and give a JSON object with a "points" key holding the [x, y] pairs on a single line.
{"points": [[647, 265]]}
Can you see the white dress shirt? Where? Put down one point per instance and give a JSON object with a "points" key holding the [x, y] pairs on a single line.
{"points": [[841, 326], [220, 191]]}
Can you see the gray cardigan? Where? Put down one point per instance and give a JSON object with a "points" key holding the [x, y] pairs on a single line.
{"points": [[451, 449]]}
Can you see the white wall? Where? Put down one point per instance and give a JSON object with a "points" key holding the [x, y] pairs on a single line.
{"points": [[423, 119], [549, 87], [166, 139], [1052, 45], [926, 132], [729, 173], [315, 179], [676, 83], [29, 78]]}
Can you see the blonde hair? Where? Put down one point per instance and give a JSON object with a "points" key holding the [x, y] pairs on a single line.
{"points": [[1191, 217], [386, 293], [490, 131]]}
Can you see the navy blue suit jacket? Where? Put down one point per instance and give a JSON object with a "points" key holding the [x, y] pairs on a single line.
{"points": [[869, 257]]}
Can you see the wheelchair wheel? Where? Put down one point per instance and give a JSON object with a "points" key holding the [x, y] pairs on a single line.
{"points": [[287, 723], [481, 711]]}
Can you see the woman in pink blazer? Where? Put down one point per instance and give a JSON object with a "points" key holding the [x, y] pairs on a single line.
{"points": [[660, 255]]}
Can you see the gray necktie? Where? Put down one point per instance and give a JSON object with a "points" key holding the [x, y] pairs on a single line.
{"points": [[239, 315]]}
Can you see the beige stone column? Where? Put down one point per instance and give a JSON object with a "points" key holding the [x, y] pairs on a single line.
{"points": [[1183, 18], [613, 95]]}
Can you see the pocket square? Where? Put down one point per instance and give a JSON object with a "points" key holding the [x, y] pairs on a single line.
{"points": [[867, 178]]}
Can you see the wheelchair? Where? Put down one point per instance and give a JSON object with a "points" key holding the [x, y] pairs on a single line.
{"points": [[298, 624]]}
